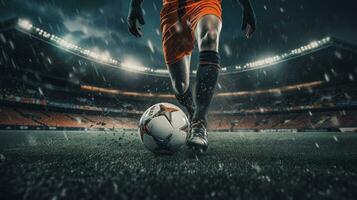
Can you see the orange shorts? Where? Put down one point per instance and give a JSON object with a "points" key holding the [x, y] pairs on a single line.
{"points": [[178, 37]]}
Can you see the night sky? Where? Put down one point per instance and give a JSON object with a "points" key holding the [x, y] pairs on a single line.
{"points": [[101, 25]]}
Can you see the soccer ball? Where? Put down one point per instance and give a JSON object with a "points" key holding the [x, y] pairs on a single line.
{"points": [[163, 128]]}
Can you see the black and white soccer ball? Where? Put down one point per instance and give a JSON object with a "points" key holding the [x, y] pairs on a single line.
{"points": [[163, 128]]}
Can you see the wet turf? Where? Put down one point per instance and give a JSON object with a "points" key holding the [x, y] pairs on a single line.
{"points": [[115, 165]]}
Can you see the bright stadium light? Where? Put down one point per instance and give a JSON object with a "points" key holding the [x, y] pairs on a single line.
{"points": [[132, 64], [104, 58], [128, 64], [278, 58], [25, 24], [161, 71]]}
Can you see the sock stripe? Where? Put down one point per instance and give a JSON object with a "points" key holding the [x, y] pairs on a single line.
{"points": [[210, 58]]}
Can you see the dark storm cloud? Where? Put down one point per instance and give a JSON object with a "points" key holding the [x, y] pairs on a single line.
{"points": [[286, 24], [100, 24]]}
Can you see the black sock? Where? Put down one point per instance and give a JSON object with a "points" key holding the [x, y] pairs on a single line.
{"points": [[186, 100], [206, 80]]}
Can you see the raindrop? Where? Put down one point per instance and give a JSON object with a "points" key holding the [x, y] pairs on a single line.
{"points": [[2, 38], [40, 91], [350, 76], [335, 138], [227, 50], [338, 55], [327, 78], [151, 46], [2, 157], [310, 113], [11, 45], [317, 145], [256, 167], [157, 31]]}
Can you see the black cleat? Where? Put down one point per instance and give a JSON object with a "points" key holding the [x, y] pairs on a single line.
{"points": [[198, 139]]}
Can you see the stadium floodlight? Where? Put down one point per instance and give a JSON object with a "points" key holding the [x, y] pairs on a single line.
{"points": [[161, 71], [275, 59], [93, 55], [105, 57], [25, 24], [133, 65]]}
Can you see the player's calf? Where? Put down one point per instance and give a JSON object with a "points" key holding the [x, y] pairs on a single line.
{"points": [[180, 73], [206, 80]]}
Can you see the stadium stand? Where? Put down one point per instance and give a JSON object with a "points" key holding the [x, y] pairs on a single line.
{"points": [[330, 106], [310, 87], [9, 116], [305, 120], [318, 120], [31, 117]]}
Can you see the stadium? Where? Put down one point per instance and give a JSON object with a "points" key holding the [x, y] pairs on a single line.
{"points": [[281, 127]]}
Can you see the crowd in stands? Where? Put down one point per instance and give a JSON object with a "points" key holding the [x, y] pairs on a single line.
{"points": [[309, 110], [316, 120], [306, 120], [35, 117], [45, 92], [9, 116], [330, 97], [19, 89]]}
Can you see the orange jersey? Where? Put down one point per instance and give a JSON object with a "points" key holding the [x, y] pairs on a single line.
{"points": [[179, 19]]}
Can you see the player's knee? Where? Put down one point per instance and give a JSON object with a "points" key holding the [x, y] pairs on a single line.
{"points": [[210, 40], [180, 87]]}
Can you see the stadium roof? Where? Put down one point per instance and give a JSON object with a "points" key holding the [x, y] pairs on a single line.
{"points": [[28, 49], [27, 27]]}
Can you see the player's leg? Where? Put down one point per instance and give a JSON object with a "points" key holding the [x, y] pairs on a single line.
{"points": [[207, 35], [180, 79]]}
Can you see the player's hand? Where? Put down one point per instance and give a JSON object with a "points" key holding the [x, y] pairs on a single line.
{"points": [[135, 17], [249, 22]]}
